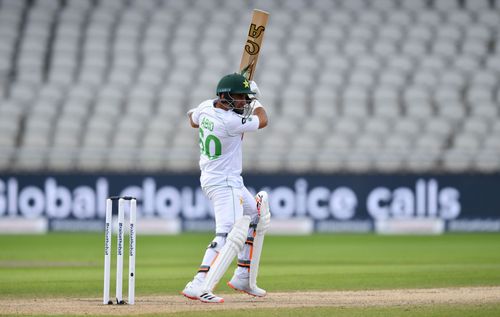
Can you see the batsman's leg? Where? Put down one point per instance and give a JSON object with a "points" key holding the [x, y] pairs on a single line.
{"points": [[193, 288], [235, 241], [231, 229], [245, 277], [234, 244]]}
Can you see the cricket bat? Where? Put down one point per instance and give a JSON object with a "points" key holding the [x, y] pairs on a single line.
{"points": [[254, 43]]}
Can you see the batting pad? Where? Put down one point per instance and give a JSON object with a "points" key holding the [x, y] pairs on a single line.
{"points": [[258, 242], [234, 244]]}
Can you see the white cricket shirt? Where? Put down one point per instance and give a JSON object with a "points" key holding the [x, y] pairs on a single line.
{"points": [[221, 136]]}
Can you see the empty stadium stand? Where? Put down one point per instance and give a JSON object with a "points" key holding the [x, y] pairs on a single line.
{"points": [[350, 85]]}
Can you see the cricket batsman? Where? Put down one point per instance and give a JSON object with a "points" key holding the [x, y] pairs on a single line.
{"points": [[241, 220]]}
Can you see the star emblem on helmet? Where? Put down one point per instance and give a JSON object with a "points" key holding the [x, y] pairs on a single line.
{"points": [[246, 84]]}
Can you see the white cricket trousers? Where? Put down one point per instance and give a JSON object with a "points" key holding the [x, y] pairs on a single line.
{"points": [[230, 204]]}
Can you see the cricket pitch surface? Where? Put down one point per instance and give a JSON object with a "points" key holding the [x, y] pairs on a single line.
{"points": [[158, 304]]}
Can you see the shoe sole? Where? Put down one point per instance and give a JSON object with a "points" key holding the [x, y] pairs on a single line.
{"points": [[190, 297], [196, 298], [243, 291]]}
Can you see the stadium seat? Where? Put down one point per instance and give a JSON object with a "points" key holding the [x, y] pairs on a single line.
{"points": [[384, 85], [456, 160], [487, 161], [389, 162]]}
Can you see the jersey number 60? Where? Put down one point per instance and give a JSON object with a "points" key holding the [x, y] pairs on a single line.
{"points": [[210, 144]]}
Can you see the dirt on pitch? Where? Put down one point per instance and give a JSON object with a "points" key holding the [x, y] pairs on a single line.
{"points": [[159, 304]]}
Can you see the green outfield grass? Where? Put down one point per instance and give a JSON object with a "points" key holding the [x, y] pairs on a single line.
{"points": [[71, 265]]}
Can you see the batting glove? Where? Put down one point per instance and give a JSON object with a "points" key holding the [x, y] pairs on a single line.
{"points": [[254, 88]]}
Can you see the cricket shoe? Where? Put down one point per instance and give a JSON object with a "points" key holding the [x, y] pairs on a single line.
{"points": [[194, 292], [243, 285]]}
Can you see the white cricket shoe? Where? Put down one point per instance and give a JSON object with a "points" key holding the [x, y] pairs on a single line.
{"points": [[194, 292], [242, 285]]}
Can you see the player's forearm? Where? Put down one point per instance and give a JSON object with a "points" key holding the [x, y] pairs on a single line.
{"points": [[194, 125], [260, 112]]}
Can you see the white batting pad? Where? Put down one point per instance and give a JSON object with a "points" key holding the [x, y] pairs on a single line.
{"points": [[234, 243], [258, 242]]}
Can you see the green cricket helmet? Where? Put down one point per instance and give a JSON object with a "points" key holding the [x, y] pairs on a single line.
{"points": [[235, 84]]}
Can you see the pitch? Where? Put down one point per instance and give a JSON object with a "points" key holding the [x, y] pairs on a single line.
{"points": [[318, 275]]}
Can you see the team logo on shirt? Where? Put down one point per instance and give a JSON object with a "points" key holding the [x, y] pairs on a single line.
{"points": [[244, 120]]}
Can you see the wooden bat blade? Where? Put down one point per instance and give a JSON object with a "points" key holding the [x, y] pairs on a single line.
{"points": [[253, 44]]}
